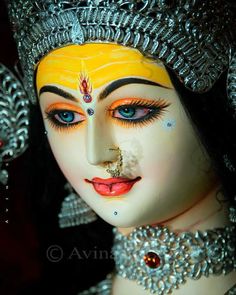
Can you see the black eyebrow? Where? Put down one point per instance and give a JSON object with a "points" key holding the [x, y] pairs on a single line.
{"points": [[122, 82], [108, 90], [58, 91]]}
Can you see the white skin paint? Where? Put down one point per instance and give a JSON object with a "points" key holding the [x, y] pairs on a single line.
{"points": [[174, 167]]}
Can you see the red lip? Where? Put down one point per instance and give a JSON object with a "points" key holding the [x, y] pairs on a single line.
{"points": [[113, 187]]}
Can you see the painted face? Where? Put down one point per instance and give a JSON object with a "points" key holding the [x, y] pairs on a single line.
{"points": [[96, 98]]}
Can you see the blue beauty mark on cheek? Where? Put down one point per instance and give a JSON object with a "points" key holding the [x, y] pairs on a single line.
{"points": [[169, 124]]}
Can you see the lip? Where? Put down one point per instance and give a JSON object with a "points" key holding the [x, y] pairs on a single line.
{"points": [[113, 187]]}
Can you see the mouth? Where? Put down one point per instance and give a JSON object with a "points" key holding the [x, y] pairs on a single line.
{"points": [[113, 187]]}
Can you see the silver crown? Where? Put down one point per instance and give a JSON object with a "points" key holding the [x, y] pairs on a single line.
{"points": [[193, 37]]}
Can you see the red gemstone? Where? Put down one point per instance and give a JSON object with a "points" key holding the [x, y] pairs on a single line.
{"points": [[1, 143], [152, 260]]}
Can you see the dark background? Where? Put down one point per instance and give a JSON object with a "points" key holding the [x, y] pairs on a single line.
{"points": [[20, 266]]}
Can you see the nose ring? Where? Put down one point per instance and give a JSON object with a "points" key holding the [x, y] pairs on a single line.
{"points": [[115, 168]]}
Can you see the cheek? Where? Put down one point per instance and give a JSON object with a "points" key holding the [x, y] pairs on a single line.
{"points": [[158, 153], [69, 152], [173, 159]]}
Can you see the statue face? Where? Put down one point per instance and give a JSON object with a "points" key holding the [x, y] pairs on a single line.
{"points": [[96, 98]]}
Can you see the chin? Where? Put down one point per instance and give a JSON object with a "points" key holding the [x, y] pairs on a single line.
{"points": [[131, 221]]}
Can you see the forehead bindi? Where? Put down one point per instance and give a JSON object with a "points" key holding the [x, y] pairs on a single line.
{"points": [[85, 87]]}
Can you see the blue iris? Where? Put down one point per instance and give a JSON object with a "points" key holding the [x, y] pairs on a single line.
{"points": [[67, 117], [127, 112]]}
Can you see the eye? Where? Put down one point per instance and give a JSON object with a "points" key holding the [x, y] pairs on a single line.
{"points": [[130, 112], [138, 112], [65, 118]]}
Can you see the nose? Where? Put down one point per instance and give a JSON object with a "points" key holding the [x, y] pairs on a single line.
{"points": [[100, 144]]}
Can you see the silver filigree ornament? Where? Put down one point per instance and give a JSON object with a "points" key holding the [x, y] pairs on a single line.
{"points": [[102, 288], [232, 214], [232, 211], [3, 176], [228, 163], [232, 81], [161, 260], [74, 210], [14, 119], [192, 37], [231, 291]]}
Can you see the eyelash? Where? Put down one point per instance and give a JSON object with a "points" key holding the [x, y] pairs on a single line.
{"points": [[51, 116], [155, 111]]}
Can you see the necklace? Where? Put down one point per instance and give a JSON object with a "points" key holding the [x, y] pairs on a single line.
{"points": [[161, 260]]}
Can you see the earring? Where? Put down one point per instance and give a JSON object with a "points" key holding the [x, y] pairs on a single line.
{"points": [[74, 211], [115, 168]]}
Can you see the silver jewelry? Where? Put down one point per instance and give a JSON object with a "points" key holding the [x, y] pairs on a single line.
{"points": [[232, 81], [14, 116], [228, 163], [232, 214], [191, 37], [115, 168], [232, 211], [161, 260], [74, 211], [102, 288], [105, 288], [231, 291], [14, 120], [3, 176]]}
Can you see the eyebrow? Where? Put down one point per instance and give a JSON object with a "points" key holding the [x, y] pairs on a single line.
{"points": [[108, 90], [122, 82], [58, 91]]}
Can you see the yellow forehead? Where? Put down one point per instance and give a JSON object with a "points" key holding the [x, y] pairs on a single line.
{"points": [[101, 63]]}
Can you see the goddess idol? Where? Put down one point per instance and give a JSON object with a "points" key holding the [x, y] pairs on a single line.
{"points": [[138, 103]]}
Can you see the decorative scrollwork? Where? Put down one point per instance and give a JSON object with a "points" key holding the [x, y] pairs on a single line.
{"points": [[178, 256], [14, 116], [192, 37], [232, 82]]}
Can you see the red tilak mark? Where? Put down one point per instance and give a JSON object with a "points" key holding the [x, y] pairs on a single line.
{"points": [[85, 88]]}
